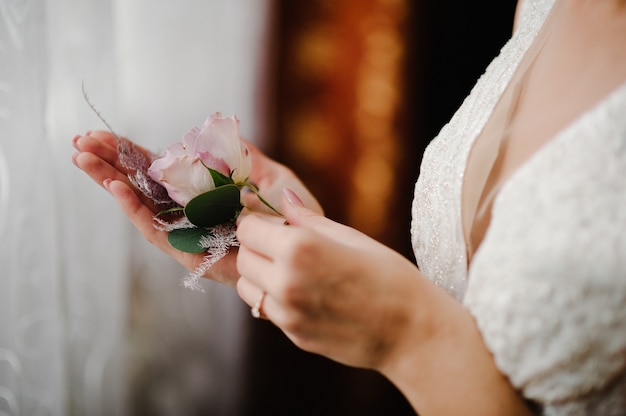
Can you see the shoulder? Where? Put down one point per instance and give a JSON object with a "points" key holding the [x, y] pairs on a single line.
{"points": [[528, 10], [518, 12]]}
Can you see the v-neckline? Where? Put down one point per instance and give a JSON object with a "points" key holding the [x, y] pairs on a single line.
{"points": [[492, 144], [479, 177]]}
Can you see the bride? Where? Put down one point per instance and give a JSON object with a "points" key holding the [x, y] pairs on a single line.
{"points": [[517, 306]]}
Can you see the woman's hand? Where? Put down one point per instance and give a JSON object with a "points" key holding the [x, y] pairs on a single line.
{"points": [[271, 177], [97, 156], [331, 289], [336, 292]]}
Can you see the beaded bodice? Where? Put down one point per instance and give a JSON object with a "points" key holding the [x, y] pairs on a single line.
{"points": [[548, 284]]}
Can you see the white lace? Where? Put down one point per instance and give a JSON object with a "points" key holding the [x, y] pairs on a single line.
{"points": [[548, 283]]}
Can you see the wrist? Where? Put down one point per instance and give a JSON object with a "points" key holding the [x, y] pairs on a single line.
{"points": [[424, 326], [442, 356]]}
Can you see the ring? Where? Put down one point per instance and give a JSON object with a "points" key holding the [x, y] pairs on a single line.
{"points": [[256, 309]]}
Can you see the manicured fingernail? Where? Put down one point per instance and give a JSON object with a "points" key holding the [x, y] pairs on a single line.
{"points": [[291, 197], [106, 183]]}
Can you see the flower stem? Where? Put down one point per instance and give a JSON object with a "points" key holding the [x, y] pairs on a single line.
{"points": [[169, 211], [258, 195]]}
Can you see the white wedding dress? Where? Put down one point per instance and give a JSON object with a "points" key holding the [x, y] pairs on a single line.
{"points": [[547, 286]]}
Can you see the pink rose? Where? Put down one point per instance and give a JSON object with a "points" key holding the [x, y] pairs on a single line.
{"points": [[217, 145]]}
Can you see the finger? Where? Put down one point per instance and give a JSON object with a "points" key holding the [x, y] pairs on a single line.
{"points": [[248, 291], [252, 202], [105, 146], [257, 268], [254, 151], [297, 214], [101, 148], [105, 137], [263, 237], [261, 172], [271, 216], [97, 168], [112, 141], [255, 297], [139, 214], [224, 271]]}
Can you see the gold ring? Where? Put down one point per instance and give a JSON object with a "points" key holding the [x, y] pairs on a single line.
{"points": [[256, 309]]}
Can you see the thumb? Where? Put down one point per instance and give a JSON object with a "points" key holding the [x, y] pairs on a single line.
{"points": [[296, 213]]}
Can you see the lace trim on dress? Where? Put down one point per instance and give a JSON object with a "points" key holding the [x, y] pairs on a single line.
{"points": [[437, 232]]}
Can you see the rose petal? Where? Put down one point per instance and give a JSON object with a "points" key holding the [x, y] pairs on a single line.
{"points": [[184, 178], [220, 138], [217, 145]]}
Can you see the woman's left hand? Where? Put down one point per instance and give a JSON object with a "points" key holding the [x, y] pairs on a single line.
{"points": [[336, 292], [331, 289]]}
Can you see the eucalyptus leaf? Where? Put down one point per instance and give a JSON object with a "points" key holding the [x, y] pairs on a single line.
{"points": [[217, 206], [187, 239], [219, 179]]}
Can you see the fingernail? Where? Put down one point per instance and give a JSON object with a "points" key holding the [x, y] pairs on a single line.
{"points": [[75, 139], [106, 183], [74, 157], [291, 197], [88, 132]]}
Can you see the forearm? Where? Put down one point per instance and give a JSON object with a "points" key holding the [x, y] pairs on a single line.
{"points": [[442, 364]]}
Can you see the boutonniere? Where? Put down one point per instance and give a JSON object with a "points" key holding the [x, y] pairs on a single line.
{"points": [[197, 183], [204, 174]]}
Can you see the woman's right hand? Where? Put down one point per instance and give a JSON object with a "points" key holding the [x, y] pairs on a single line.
{"points": [[97, 156]]}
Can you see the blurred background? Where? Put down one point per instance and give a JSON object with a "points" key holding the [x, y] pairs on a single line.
{"points": [[93, 320]]}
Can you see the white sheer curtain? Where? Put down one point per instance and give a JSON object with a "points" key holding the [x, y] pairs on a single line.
{"points": [[92, 319]]}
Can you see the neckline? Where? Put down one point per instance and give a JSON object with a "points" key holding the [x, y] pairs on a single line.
{"points": [[511, 91], [533, 48]]}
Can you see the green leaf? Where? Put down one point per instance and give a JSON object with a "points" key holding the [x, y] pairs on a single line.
{"points": [[219, 179], [187, 239], [214, 207]]}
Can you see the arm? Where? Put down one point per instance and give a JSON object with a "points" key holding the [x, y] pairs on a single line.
{"points": [[336, 292], [448, 370]]}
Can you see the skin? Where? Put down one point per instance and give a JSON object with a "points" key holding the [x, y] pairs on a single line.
{"points": [[319, 276], [96, 155], [582, 61], [339, 293], [336, 292]]}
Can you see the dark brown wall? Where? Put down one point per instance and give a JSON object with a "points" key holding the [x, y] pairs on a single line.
{"points": [[446, 46]]}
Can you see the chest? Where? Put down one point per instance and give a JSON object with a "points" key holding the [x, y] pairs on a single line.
{"points": [[566, 71]]}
